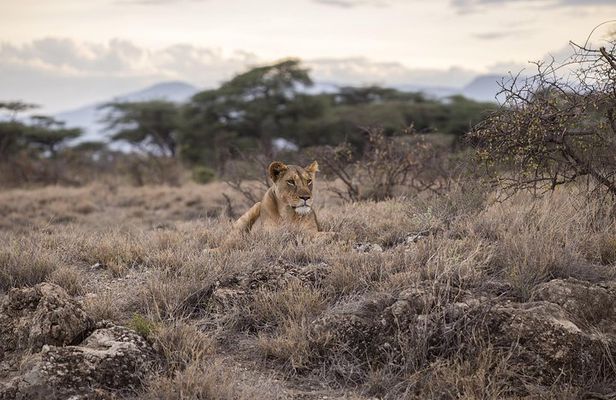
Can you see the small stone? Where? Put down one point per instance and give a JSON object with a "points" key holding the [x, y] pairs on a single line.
{"points": [[416, 237], [367, 248], [98, 266]]}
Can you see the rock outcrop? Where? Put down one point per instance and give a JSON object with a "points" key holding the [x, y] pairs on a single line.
{"points": [[52, 349], [41, 315], [586, 303], [565, 333], [219, 298]]}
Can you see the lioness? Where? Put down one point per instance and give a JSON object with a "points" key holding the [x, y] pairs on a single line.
{"points": [[287, 202]]}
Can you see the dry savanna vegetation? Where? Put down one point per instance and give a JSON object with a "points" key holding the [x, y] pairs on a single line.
{"points": [[283, 316]]}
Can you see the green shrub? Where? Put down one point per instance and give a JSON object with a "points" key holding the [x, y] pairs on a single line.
{"points": [[142, 325], [202, 174]]}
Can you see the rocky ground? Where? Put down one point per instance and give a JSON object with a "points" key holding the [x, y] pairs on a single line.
{"points": [[440, 299], [51, 348]]}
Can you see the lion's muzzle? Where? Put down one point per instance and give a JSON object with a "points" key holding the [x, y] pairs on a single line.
{"points": [[303, 209]]}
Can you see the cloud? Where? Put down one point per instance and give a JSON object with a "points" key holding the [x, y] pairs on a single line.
{"points": [[63, 73], [60, 73], [497, 35], [152, 2], [359, 70], [353, 3], [335, 3], [469, 6], [66, 57], [558, 57], [586, 2]]}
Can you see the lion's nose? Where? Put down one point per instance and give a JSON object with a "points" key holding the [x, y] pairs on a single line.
{"points": [[305, 198]]}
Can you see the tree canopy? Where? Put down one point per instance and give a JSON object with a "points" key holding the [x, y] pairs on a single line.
{"points": [[248, 111], [39, 134], [152, 126]]}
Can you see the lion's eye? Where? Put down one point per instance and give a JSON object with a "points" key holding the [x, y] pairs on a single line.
{"points": [[291, 183]]}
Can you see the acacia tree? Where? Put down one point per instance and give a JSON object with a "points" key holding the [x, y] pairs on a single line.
{"points": [[38, 133], [250, 109], [12, 130], [555, 127], [152, 126], [48, 134], [29, 146]]}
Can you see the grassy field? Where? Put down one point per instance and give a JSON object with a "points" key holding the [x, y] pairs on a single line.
{"points": [[256, 322]]}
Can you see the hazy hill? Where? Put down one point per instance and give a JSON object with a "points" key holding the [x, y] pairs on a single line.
{"points": [[483, 88], [88, 117]]}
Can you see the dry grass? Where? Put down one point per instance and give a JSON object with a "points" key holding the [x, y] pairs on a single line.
{"points": [[213, 380], [537, 240], [147, 246]]}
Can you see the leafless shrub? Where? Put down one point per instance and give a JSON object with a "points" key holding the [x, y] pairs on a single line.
{"points": [[556, 127], [388, 166], [248, 177]]}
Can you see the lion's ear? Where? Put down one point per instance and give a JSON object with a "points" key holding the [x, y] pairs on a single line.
{"points": [[313, 168], [276, 169]]}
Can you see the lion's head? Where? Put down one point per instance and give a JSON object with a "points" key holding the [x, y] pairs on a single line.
{"points": [[293, 185]]}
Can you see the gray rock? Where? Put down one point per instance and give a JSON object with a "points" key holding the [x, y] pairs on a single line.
{"points": [[42, 315], [112, 359], [98, 266], [59, 353], [543, 340], [586, 303], [240, 289]]}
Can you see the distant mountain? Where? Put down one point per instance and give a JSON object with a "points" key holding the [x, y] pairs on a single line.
{"points": [[437, 92], [483, 88], [172, 91], [88, 117]]}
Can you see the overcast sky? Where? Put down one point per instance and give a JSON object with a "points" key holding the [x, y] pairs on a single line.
{"points": [[67, 53]]}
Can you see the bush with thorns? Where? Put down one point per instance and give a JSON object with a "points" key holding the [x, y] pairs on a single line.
{"points": [[557, 126]]}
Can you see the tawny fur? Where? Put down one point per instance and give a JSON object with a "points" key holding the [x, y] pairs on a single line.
{"points": [[288, 202]]}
